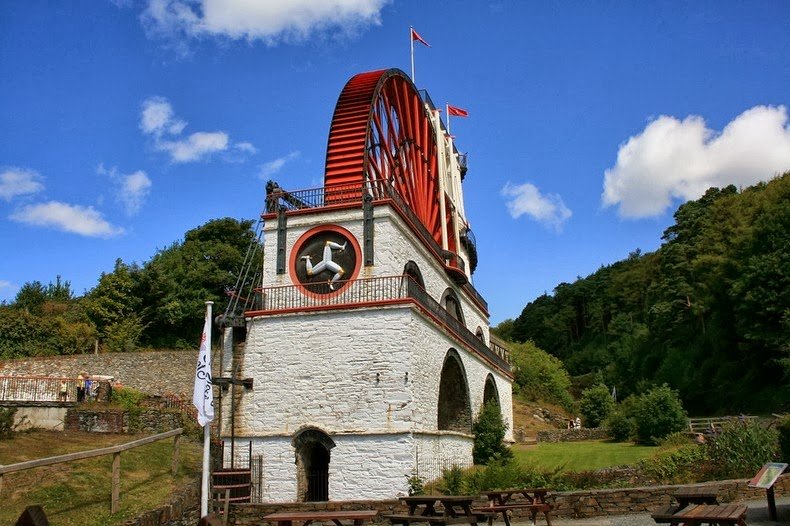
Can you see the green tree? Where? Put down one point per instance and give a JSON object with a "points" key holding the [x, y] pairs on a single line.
{"points": [[540, 376], [181, 278], [596, 405], [31, 297], [489, 429], [658, 413], [116, 303]]}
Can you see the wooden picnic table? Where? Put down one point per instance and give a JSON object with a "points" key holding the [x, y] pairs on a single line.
{"points": [[439, 510], [359, 517], [712, 515], [532, 499], [688, 495]]}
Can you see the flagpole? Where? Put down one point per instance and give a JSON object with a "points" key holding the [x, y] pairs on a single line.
{"points": [[411, 45], [206, 430], [447, 109]]}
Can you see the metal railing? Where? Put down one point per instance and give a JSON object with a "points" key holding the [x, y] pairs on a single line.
{"points": [[378, 189], [37, 388], [372, 291]]}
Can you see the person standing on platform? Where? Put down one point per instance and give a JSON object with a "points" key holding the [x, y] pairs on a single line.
{"points": [[80, 388]]}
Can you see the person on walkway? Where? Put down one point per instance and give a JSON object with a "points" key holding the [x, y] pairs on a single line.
{"points": [[64, 390], [80, 388]]}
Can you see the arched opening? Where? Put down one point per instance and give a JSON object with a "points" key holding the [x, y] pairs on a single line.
{"points": [[413, 271], [480, 335], [490, 392], [454, 411], [452, 305], [312, 465]]}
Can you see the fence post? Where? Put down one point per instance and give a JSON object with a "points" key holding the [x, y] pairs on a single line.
{"points": [[115, 505], [176, 443]]}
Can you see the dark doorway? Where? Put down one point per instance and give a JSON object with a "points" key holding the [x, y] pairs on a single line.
{"points": [[312, 463], [454, 411]]}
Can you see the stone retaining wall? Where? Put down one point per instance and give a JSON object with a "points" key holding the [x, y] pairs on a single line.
{"points": [[149, 421], [571, 435], [182, 510], [571, 504], [156, 372]]}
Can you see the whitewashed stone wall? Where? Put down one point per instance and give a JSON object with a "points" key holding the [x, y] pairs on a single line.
{"points": [[442, 450], [394, 247], [369, 377], [362, 465]]}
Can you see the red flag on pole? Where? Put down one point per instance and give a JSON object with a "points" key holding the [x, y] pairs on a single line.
{"points": [[456, 112], [417, 37]]}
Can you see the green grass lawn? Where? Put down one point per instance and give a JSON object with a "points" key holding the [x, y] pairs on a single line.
{"points": [[582, 456], [78, 493]]}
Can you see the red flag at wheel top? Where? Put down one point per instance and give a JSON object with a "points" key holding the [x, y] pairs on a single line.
{"points": [[456, 112], [417, 37]]}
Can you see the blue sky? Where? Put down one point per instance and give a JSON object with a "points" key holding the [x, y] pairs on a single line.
{"points": [[124, 124]]}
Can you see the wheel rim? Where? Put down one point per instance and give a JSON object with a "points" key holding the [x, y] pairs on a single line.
{"points": [[381, 135]]}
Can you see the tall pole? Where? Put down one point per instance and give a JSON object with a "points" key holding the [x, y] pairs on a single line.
{"points": [[411, 45], [206, 432], [447, 110]]}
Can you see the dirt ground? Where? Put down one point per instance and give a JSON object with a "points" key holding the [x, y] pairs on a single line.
{"points": [[529, 418]]}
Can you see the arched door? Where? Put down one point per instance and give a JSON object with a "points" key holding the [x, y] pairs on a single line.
{"points": [[312, 465]]}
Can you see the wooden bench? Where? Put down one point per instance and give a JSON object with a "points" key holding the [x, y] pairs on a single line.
{"points": [[534, 509], [665, 514], [406, 519], [359, 517], [719, 514]]}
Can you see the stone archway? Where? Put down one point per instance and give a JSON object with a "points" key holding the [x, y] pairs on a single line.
{"points": [[312, 448], [452, 305], [454, 411], [490, 392]]}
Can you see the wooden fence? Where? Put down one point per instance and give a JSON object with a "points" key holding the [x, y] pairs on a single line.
{"points": [[115, 451], [713, 423]]}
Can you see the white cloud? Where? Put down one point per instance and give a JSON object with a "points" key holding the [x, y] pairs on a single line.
{"points": [[245, 147], [19, 181], [68, 218], [269, 21], [526, 199], [272, 167], [132, 189], [135, 188], [6, 285], [195, 147], [673, 159], [158, 120]]}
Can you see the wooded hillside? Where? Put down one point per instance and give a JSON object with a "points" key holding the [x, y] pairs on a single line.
{"points": [[708, 313]]}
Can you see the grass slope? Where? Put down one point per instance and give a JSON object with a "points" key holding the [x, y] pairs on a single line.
{"points": [[78, 493], [582, 456]]}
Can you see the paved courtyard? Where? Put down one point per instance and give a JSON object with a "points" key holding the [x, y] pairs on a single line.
{"points": [[756, 516]]}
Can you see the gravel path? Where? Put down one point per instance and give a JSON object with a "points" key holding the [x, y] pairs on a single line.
{"points": [[756, 516]]}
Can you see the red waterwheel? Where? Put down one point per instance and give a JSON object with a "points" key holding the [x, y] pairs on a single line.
{"points": [[381, 136]]}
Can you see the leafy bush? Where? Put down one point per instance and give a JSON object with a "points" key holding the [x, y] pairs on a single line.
{"points": [[657, 413], [742, 448], [452, 481], [540, 376], [620, 426], [416, 484], [505, 474], [489, 429], [595, 405], [7, 421], [129, 399], [784, 438], [679, 466]]}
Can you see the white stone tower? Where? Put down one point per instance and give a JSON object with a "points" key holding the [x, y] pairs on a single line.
{"points": [[368, 348]]}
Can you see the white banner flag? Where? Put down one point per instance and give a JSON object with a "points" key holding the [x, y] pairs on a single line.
{"points": [[203, 397]]}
